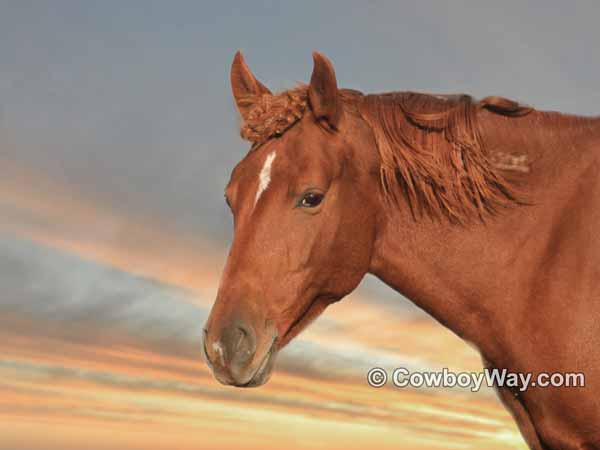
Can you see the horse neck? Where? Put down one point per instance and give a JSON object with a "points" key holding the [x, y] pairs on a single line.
{"points": [[474, 278]]}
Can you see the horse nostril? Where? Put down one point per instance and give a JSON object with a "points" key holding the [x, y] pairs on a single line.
{"points": [[244, 343], [239, 343]]}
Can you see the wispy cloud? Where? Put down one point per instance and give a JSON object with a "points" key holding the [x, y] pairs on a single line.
{"points": [[104, 328], [86, 343]]}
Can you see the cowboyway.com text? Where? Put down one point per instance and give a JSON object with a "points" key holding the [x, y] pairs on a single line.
{"points": [[402, 377]]}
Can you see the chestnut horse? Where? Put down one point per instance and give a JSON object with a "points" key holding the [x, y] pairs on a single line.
{"points": [[483, 213]]}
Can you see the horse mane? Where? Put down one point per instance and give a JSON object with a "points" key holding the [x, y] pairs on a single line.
{"points": [[431, 149], [433, 155]]}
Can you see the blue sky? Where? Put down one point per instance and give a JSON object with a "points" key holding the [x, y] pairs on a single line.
{"points": [[130, 103]]}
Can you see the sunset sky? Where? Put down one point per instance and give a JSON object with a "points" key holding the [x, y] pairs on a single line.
{"points": [[117, 137]]}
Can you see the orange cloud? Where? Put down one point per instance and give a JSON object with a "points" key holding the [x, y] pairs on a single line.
{"points": [[64, 391], [40, 209]]}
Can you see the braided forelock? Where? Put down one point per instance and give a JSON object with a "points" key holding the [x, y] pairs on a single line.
{"points": [[270, 115]]}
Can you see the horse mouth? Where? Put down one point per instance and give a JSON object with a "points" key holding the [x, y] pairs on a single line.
{"points": [[264, 369], [259, 376]]}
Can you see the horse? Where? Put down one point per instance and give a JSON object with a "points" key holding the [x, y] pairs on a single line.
{"points": [[484, 213]]}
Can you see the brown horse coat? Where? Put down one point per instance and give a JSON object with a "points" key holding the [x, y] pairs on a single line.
{"points": [[485, 214]]}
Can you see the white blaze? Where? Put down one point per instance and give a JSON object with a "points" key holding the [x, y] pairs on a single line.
{"points": [[264, 178]]}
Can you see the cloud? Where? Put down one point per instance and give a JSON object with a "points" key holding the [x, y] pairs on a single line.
{"points": [[82, 339], [35, 208], [53, 294]]}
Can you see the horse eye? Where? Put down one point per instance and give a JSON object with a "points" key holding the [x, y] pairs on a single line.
{"points": [[311, 200]]}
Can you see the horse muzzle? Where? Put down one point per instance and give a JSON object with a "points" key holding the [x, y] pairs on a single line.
{"points": [[237, 356]]}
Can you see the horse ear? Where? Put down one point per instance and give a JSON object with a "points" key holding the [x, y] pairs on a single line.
{"points": [[323, 92], [244, 84]]}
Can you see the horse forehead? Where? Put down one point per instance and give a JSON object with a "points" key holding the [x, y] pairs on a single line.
{"points": [[255, 161], [294, 154]]}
